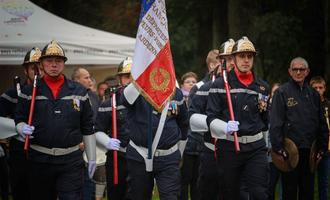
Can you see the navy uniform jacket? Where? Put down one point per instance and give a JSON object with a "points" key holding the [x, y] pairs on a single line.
{"points": [[59, 123], [175, 127], [297, 113], [196, 87], [198, 105], [95, 102], [8, 101], [195, 140], [104, 119], [249, 105]]}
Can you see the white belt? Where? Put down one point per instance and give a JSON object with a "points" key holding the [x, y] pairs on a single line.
{"points": [[159, 152], [54, 151], [122, 149], [246, 139], [209, 146]]}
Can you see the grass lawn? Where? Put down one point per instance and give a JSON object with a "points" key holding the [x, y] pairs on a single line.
{"points": [[156, 196]]}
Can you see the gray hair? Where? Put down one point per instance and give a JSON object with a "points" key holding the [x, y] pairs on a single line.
{"points": [[76, 73], [303, 60]]}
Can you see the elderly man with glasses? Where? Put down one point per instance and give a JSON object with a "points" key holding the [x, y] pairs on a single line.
{"points": [[297, 114]]}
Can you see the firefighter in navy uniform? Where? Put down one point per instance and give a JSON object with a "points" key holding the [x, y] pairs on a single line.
{"points": [[17, 159], [249, 99], [189, 169], [62, 119], [103, 127], [167, 156], [8, 99], [208, 180]]}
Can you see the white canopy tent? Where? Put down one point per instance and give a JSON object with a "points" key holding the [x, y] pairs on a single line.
{"points": [[24, 25]]}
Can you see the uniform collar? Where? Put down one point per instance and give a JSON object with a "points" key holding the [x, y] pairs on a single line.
{"points": [[246, 79]]}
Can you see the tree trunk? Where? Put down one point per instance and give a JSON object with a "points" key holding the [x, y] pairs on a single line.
{"points": [[220, 23], [327, 39], [234, 27]]}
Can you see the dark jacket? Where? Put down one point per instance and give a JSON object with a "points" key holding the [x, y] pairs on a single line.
{"points": [[297, 114], [8, 101], [195, 140], [175, 128], [59, 123], [198, 105], [104, 119], [246, 103], [95, 103]]}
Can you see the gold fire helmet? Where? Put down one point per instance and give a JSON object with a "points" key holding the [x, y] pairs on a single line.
{"points": [[53, 49], [243, 45], [32, 56], [226, 47], [289, 163], [125, 66]]}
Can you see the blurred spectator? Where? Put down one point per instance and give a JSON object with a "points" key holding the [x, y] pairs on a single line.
{"points": [[101, 87], [188, 80], [274, 172], [318, 83], [82, 76]]}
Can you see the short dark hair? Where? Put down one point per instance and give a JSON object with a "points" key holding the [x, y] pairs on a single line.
{"points": [[188, 75], [317, 79], [101, 83]]}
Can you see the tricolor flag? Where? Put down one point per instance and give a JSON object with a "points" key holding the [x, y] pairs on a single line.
{"points": [[153, 69]]}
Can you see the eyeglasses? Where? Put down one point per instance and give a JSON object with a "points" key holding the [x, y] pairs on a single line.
{"points": [[296, 70], [193, 82]]}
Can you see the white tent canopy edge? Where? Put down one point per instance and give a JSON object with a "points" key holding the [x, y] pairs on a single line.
{"points": [[24, 25]]}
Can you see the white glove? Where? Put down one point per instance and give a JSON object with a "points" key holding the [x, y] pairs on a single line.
{"points": [[2, 152], [26, 130], [232, 126], [113, 144], [91, 168]]}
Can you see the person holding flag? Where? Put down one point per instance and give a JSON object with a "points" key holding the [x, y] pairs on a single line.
{"points": [[155, 140]]}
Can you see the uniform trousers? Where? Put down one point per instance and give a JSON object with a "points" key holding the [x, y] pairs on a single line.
{"points": [[299, 183], [208, 181], [117, 192], [49, 181], [166, 172], [252, 165], [189, 172], [4, 189], [19, 173]]}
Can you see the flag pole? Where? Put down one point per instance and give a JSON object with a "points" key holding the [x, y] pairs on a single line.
{"points": [[33, 100], [149, 137], [230, 105]]}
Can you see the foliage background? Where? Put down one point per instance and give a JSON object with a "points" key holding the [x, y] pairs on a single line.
{"points": [[280, 29]]}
